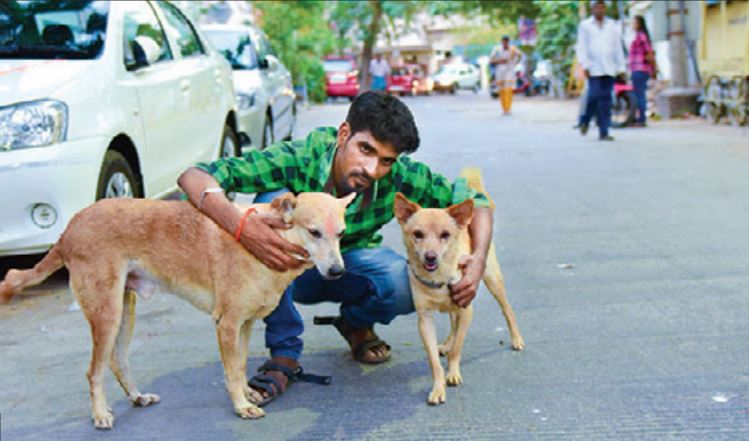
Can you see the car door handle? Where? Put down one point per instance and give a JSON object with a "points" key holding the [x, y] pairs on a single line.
{"points": [[184, 85]]}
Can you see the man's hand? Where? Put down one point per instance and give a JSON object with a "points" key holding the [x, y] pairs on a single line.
{"points": [[463, 292], [260, 238]]}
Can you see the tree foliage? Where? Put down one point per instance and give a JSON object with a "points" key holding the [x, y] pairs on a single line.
{"points": [[301, 36], [557, 34], [365, 21]]}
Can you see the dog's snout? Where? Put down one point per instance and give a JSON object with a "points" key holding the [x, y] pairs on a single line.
{"points": [[430, 256], [336, 271]]}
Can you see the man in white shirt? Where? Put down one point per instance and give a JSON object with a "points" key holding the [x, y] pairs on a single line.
{"points": [[601, 53], [379, 69]]}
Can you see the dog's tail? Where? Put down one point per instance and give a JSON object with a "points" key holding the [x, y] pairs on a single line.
{"points": [[17, 280], [473, 178]]}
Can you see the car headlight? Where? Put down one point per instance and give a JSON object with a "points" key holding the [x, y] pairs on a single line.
{"points": [[33, 124], [245, 100]]}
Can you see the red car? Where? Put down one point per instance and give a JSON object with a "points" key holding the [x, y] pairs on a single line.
{"points": [[341, 77], [409, 79]]}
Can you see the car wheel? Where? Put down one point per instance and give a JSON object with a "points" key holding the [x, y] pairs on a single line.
{"points": [[452, 89], [116, 179], [290, 136], [267, 133], [229, 143]]}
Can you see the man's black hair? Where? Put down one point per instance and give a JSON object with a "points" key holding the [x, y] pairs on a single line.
{"points": [[386, 118]]}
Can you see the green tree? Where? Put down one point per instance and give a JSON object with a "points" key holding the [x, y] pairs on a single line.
{"points": [[301, 36], [557, 34], [367, 21]]}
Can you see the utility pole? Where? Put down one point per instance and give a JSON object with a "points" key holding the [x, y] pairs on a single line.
{"points": [[677, 43], [679, 97]]}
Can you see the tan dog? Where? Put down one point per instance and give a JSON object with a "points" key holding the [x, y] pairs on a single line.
{"points": [[118, 247], [437, 242]]}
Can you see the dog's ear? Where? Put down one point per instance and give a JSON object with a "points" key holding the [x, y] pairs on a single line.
{"points": [[462, 212], [284, 205], [403, 208], [347, 199]]}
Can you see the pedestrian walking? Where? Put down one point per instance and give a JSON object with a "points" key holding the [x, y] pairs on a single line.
{"points": [[504, 58], [379, 69], [601, 54], [642, 67]]}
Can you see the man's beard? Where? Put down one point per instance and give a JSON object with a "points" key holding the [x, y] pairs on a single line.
{"points": [[357, 188]]}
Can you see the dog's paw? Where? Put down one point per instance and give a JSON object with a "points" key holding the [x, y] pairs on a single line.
{"points": [[103, 420], [249, 412], [437, 396], [518, 344], [144, 400], [454, 378], [252, 395]]}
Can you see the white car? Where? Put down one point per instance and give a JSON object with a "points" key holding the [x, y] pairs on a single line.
{"points": [[265, 94], [454, 76], [101, 99]]}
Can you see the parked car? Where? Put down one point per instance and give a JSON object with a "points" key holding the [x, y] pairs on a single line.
{"points": [[100, 100], [263, 86], [454, 76], [341, 77], [409, 79]]}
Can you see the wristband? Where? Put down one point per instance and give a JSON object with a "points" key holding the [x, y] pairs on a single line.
{"points": [[205, 192], [240, 227]]}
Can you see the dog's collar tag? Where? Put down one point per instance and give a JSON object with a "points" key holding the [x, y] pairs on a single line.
{"points": [[428, 283]]}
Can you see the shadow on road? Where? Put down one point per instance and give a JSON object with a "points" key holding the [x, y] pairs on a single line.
{"points": [[195, 405]]}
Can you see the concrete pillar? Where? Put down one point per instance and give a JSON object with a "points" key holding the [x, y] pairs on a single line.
{"points": [[678, 98], [677, 43]]}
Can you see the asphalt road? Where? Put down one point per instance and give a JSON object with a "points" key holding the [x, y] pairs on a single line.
{"points": [[626, 263]]}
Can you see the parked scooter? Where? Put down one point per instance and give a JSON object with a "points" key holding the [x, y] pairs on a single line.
{"points": [[623, 104]]}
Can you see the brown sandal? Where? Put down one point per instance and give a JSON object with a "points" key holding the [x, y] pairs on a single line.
{"points": [[359, 352]]}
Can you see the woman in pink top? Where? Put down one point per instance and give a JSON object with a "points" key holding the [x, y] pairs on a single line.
{"points": [[641, 65]]}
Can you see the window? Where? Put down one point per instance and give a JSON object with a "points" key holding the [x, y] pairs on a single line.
{"points": [[52, 29], [142, 28], [263, 46], [188, 43], [235, 46]]}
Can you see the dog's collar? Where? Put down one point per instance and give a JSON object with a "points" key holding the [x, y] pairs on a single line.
{"points": [[428, 283]]}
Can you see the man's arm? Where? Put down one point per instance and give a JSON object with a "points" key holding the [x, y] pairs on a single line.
{"points": [[581, 50], [621, 61], [480, 231], [258, 235]]}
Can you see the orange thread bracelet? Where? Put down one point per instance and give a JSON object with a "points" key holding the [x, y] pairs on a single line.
{"points": [[240, 227]]}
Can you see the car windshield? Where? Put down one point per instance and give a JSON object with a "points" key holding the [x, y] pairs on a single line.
{"points": [[50, 29], [235, 46], [399, 71], [337, 65]]}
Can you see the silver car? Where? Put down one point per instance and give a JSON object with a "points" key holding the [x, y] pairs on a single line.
{"points": [[263, 85]]}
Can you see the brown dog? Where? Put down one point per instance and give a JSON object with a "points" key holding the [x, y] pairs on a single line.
{"points": [[119, 247], [436, 241]]}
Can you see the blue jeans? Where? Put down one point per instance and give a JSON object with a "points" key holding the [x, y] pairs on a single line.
{"points": [[640, 83], [374, 289], [599, 101]]}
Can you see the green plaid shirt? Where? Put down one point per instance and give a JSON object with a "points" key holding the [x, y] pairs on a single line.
{"points": [[305, 165]]}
